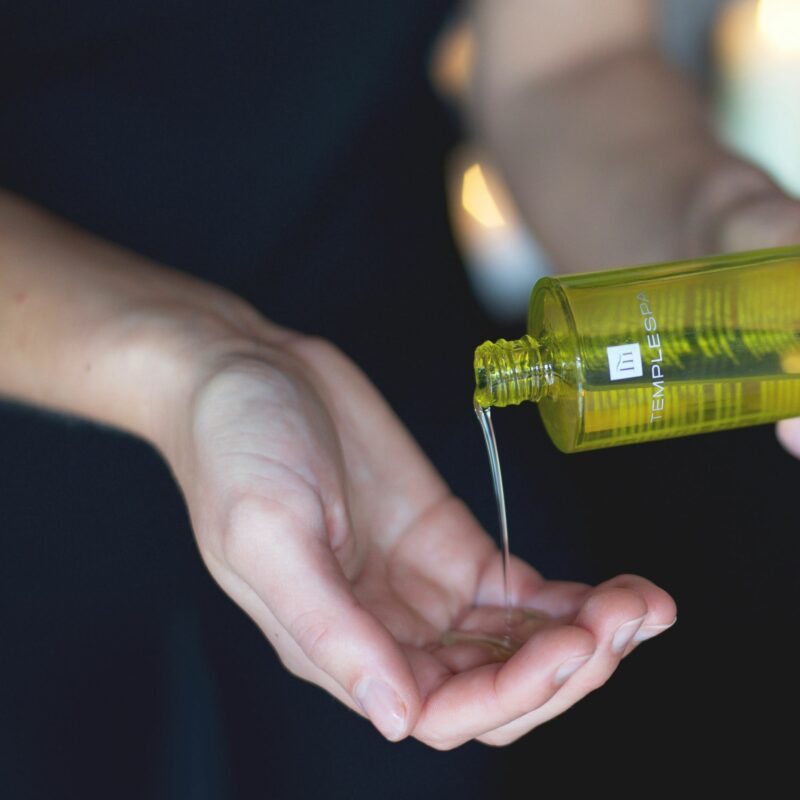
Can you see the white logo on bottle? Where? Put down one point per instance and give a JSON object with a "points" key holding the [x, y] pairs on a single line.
{"points": [[624, 361]]}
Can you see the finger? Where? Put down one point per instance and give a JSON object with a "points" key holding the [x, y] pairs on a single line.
{"points": [[789, 435], [304, 588], [771, 220], [612, 615], [436, 565], [478, 700], [528, 589], [661, 610], [391, 491]]}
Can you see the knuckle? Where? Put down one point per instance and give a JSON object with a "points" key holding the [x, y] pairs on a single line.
{"points": [[231, 546], [625, 579], [314, 634], [295, 664], [316, 343], [441, 743], [495, 739], [249, 520], [591, 683], [237, 532], [615, 599], [242, 530], [313, 348]]}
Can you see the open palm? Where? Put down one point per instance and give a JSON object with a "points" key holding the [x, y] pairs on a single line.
{"points": [[320, 516]]}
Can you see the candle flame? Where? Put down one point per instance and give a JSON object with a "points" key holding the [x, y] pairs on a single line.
{"points": [[477, 199], [779, 22]]}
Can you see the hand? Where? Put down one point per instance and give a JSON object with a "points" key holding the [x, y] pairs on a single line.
{"points": [[312, 506], [318, 514], [739, 208]]}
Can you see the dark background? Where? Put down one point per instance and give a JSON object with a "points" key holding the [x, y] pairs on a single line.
{"points": [[294, 153]]}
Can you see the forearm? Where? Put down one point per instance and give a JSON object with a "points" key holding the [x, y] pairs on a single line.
{"points": [[609, 153], [91, 329]]}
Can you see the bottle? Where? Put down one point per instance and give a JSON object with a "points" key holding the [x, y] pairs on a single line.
{"points": [[643, 353]]}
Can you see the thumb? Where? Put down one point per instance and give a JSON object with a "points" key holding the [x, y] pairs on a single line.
{"points": [[287, 561], [743, 209], [771, 220], [789, 435], [768, 221], [736, 206]]}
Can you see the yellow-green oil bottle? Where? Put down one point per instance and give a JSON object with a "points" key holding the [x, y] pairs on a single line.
{"points": [[657, 351]]}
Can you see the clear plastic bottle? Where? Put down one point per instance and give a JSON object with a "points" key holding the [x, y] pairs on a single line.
{"points": [[657, 351]]}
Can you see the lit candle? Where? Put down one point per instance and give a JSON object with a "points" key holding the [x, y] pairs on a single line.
{"points": [[502, 258], [757, 49]]}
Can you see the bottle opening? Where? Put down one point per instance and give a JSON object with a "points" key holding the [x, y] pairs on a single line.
{"points": [[509, 372]]}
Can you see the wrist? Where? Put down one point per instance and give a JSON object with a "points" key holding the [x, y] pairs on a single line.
{"points": [[168, 351], [91, 329]]}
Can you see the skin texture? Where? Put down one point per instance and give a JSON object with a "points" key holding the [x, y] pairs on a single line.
{"points": [[312, 506]]}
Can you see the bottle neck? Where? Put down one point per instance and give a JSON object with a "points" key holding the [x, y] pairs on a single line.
{"points": [[511, 372]]}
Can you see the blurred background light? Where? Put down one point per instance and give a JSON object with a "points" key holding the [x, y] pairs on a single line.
{"points": [[779, 22], [757, 80], [755, 71], [501, 256], [477, 200]]}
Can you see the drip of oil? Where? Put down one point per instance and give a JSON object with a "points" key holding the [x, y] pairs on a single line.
{"points": [[489, 625], [484, 416]]}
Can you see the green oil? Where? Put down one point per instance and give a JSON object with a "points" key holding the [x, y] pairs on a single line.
{"points": [[652, 352]]}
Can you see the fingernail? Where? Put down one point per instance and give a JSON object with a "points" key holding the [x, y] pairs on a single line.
{"points": [[384, 708], [568, 667], [625, 633], [649, 631]]}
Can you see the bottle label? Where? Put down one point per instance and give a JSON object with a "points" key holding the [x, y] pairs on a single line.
{"points": [[624, 361], [656, 358]]}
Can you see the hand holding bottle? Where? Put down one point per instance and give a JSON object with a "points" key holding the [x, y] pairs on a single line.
{"points": [[607, 149]]}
